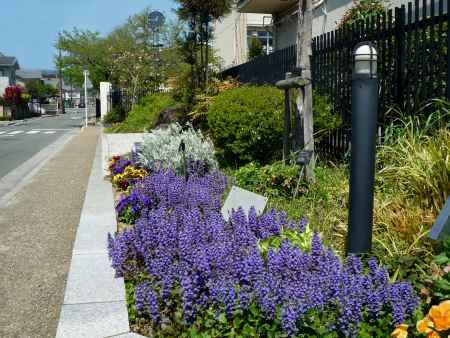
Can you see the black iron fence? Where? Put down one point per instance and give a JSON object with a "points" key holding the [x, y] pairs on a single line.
{"points": [[413, 63], [122, 100], [266, 69]]}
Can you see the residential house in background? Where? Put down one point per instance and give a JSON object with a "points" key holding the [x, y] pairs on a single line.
{"points": [[232, 36], [25, 76], [326, 16], [8, 67]]}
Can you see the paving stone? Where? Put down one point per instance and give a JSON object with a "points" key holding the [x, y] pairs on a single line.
{"points": [[91, 279], [93, 320]]}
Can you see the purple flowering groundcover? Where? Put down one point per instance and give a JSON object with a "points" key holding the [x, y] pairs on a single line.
{"points": [[195, 272]]}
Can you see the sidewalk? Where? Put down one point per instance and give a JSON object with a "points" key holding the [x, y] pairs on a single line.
{"points": [[37, 232]]}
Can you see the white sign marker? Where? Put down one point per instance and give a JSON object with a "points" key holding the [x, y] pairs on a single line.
{"points": [[240, 198]]}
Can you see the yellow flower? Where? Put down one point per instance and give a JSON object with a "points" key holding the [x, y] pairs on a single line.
{"points": [[440, 315], [433, 334], [400, 331], [425, 325]]}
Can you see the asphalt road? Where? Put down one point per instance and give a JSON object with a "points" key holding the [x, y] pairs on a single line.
{"points": [[37, 231], [20, 142]]}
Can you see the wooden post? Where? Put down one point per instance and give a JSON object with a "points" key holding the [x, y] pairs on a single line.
{"points": [[304, 99]]}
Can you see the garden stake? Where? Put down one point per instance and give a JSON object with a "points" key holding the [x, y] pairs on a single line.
{"points": [[183, 154]]}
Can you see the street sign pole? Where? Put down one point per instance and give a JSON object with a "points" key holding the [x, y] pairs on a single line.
{"points": [[85, 97]]}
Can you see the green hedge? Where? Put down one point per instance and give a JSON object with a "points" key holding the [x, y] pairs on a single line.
{"points": [[144, 115], [246, 124]]}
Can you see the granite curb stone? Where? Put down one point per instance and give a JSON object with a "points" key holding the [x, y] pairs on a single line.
{"points": [[94, 303]]}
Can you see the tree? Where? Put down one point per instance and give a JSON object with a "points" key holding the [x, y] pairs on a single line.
{"points": [[39, 90], [82, 50], [199, 15], [255, 49], [126, 57]]}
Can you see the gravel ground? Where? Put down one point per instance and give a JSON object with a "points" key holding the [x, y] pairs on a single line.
{"points": [[37, 231]]}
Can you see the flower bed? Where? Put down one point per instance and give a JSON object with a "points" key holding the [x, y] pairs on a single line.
{"points": [[194, 274]]}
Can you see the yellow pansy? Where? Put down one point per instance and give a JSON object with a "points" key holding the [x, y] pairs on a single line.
{"points": [[400, 331], [425, 325], [440, 315]]}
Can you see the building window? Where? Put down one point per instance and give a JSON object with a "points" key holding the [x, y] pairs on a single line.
{"points": [[264, 36]]}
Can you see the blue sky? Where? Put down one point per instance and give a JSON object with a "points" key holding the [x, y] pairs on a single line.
{"points": [[29, 28]]}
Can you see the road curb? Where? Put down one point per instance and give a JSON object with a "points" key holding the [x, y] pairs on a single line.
{"points": [[95, 301]]}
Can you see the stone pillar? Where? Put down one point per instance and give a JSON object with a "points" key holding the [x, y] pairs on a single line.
{"points": [[105, 90]]}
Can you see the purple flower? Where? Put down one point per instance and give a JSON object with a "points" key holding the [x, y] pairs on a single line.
{"points": [[182, 243]]}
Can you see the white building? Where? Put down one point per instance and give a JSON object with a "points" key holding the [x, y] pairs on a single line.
{"points": [[233, 33], [285, 20]]}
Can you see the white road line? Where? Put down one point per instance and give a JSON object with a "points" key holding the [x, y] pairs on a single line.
{"points": [[50, 132], [16, 132], [31, 132]]}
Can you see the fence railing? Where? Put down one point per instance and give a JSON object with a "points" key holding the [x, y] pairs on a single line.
{"points": [[413, 44], [266, 69], [123, 100]]}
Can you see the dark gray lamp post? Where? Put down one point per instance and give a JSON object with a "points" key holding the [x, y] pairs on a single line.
{"points": [[362, 168]]}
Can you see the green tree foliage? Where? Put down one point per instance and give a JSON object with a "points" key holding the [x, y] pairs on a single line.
{"points": [[83, 50], [39, 90], [255, 49], [198, 16], [127, 56]]}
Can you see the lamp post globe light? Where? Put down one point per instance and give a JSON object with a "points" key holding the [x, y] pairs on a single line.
{"points": [[365, 60], [363, 145]]}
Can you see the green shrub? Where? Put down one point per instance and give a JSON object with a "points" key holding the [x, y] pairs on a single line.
{"points": [[114, 116], [145, 114], [325, 120], [246, 124], [270, 180]]}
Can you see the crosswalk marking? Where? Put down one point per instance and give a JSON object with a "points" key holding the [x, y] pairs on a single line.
{"points": [[30, 132]]}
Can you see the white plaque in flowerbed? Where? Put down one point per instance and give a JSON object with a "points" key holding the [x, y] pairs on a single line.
{"points": [[240, 198]]}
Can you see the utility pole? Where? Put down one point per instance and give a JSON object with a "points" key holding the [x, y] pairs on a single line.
{"points": [[61, 90], [304, 98]]}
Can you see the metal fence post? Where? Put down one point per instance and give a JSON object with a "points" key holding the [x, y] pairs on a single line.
{"points": [[400, 55]]}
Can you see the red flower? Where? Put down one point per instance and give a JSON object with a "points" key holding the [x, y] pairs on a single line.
{"points": [[13, 95]]}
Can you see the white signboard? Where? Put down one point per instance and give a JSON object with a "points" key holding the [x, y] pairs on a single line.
{"points": [[240, 198]]}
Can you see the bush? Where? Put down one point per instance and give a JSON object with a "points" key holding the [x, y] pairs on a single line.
{"points": [[114, 116], [271, 180], [161, 148], [144, 115], [246, 124], [325, 120]]}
